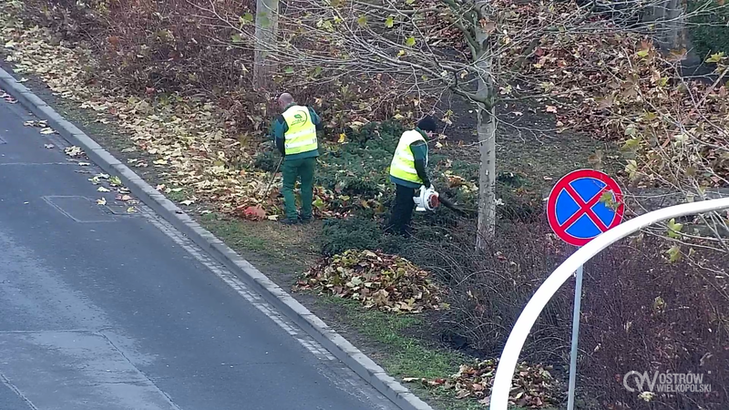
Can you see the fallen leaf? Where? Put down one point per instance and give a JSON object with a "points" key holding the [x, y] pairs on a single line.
{"points": [[49, 146], [73, 151], [47, 131], [101, 201], [102, 189], [552, 109], [123, 197]]}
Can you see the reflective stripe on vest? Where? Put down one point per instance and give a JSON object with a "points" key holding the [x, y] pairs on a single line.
{"points": [[403, 162], [301, 135]]}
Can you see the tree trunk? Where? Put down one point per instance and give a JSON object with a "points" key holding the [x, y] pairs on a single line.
{"points": [[266, 30], [487, 176], [486, 130]]}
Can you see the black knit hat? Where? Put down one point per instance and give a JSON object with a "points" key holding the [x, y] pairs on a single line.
{"points": [[427, 123]]}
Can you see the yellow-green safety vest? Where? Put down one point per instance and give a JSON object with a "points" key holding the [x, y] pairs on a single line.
{"points": [[403, 162], [301, 135]]}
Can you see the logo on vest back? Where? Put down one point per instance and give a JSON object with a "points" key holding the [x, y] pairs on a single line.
{"points": [[299, 117]]}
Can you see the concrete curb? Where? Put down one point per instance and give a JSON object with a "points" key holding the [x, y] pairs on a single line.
{"points": [[331, 340]]}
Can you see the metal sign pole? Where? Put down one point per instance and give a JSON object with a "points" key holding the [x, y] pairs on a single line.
{"points": [[577, 214], [575, 336]]}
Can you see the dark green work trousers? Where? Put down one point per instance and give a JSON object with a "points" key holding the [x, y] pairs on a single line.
{"points": [[292, 169]]}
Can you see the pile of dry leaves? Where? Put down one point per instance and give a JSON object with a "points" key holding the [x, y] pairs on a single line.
{"points": [[389, 283], [533, 387]]}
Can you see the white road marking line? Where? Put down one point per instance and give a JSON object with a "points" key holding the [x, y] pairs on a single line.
{"points": [[234, 282], [5, 164], [4, 380]]}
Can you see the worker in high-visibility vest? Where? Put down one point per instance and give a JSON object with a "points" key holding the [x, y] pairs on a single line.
{"points": [[294, 131], [408, 171]]}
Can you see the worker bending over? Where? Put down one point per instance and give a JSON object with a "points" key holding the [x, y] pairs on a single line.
{"points": [[294, 131], [408, 173]]}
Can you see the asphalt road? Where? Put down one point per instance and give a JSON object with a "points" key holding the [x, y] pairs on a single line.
{"points": [[104, 310]]}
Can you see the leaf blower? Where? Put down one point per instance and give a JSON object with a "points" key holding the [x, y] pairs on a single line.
{"points": [[429, 200]]}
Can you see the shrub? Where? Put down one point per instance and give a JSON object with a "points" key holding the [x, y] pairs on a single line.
{"points": [[644, 314], [359, 137], [519, 203], [339, 235], [153, 44], [639, 312], [267, 160], [489, 289], [358, 167], [709, 33], [152, 48]]}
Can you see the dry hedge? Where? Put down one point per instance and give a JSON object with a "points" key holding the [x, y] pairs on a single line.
{"points": [[168, 46], [644, 314], [639, 312], [185, 48]]}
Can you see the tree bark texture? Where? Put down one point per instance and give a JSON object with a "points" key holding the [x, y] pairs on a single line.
{"points": [[487, 177], [266, 31], [486, 130]]}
